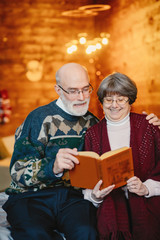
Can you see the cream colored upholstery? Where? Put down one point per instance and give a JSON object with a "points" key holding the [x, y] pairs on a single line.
{"points": [[6, 149]]}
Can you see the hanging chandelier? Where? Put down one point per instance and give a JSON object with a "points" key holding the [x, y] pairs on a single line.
{"points": [[87, 45]]}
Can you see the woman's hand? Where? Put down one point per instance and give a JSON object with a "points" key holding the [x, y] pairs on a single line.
{"points": [[153, 119], [135, 185], [98, 194]]}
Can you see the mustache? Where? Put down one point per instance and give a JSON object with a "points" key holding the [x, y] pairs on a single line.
{"points": [[79, 101]]}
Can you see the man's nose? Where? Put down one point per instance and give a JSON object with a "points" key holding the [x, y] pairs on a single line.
{"points": [[81, 95]]}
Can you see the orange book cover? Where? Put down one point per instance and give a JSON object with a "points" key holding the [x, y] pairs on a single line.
{"points": [[113, 167]]}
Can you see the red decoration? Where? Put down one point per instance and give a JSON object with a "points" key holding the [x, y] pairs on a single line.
{"points": [[5, 107]]}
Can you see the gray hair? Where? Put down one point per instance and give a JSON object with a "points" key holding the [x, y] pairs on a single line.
{"points": [[117, 83]]}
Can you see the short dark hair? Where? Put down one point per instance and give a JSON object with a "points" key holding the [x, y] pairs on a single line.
{"points": [[117, 83]]}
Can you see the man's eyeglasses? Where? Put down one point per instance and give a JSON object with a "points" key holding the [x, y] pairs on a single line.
{"points": [[75, 92], [121, 101]]}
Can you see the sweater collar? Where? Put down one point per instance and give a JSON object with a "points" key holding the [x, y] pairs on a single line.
{"points": [[118, 123], [62, 106]]}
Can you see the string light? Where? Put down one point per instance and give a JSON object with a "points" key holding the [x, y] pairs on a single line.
{"points": [[71, 49], [89, 45], [82, 40], [104, 41]]}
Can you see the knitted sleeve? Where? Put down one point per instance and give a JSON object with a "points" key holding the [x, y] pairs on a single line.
{"points": [[145, 143], [30, 165]]}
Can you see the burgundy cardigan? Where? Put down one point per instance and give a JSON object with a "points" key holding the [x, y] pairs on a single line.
{"points": [[139, 217]]}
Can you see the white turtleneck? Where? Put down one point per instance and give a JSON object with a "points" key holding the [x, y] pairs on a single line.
{"points": [[62, 106], [119, 132]]}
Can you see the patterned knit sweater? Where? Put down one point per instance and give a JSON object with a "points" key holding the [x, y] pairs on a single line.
{"points": [[38, 139]]}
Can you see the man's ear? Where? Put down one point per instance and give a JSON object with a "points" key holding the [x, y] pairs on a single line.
{"points": [[57, 89]]}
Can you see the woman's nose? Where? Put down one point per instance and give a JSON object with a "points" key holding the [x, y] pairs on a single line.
{"points": [[114, 103]]}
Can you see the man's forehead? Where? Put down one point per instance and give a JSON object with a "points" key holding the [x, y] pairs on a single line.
{"points": [[78, 84], [75, 80]]}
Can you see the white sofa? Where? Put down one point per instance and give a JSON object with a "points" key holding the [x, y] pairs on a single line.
{"points": [[4, 225], [6, 149]]}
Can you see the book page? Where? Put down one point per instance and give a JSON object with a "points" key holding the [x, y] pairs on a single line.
{"points": [[110, 153], [89, 154]]}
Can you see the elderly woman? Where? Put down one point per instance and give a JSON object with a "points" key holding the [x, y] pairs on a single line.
{"points": [[133, 211]]}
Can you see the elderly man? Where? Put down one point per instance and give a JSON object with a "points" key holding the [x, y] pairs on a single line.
{"points": [[40, 198]]}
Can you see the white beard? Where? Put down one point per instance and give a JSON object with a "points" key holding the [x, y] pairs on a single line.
{"points": [[71, 108]]}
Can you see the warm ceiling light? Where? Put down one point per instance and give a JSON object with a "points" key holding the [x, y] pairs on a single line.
{"points": [[95, 7], [79, 13], [98, 46], [90, 49], [87, 44], [34, 71], [69, 50], [5, 39], [82, 40], [87, 10], [104, 41], [72, 49], [98, 73]]}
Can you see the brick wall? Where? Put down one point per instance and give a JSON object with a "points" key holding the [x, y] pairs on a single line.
{"points": [[35, 30], [134, 47]]}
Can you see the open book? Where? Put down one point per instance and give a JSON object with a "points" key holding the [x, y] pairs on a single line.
{"points": [[113, 167]]}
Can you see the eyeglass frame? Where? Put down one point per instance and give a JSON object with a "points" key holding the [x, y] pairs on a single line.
{"points": [[77, 91], [115, 100]]}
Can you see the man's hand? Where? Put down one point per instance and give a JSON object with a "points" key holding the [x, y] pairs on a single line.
{"points": [[153, 119], [98, 194], [135, 185], [65, 159]]}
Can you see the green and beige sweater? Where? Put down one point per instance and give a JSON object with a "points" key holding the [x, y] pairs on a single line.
{"points": [[38, 139]]}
